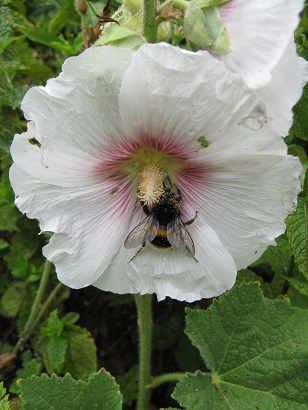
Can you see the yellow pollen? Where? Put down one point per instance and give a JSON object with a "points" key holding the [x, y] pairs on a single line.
{"points": [[151, 185]]}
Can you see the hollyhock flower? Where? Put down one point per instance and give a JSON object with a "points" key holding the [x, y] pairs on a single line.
{"points": [[120, 129]]}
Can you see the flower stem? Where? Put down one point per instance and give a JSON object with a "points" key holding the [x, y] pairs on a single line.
{"points": [[45, 307], [144, 312], [38, 298], [149, 21], [164, 378]]}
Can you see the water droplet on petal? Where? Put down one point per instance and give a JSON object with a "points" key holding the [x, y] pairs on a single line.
{"points": [[252, 123], [107, 91], [109, 74]]}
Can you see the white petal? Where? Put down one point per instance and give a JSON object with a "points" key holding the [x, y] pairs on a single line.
{"points": [[55, 166], [304, 65], [170, 272], [176, 93], [259, 31], [90, 223], [75, 117], [245, 199], [83, 97], [284, 89], [249, 129]]}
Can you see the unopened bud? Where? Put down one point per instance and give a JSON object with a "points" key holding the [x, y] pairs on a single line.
{"points": [[204, 27], [81, 6]]}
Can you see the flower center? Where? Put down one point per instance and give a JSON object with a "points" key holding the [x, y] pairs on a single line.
{"points": [[150, 185], [151, 168]]}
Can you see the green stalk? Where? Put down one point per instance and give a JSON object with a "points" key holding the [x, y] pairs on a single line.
{"points": [[144, 312], [38, 298], [165, 378], [45, 307], [149, 21]]}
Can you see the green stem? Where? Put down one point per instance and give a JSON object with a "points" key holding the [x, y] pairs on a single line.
{"points": [[45, 307], [38, 298], [92, 8], [149, 21], [164, 378], [144, 312]]}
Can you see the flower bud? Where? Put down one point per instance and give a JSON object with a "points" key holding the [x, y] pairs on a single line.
{"points": [[164, 32], [204, 27], [81, 6]]}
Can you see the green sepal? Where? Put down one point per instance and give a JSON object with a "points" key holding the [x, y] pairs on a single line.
{"points": [[204, 27], [120, 36], [132, 6], [164, 32], [135, 23]]}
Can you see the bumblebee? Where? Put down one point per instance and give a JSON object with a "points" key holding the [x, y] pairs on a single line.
{"points": [[163, 227]]}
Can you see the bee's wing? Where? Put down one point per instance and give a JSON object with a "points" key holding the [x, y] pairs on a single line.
{"points": [[179, 237], [145, 231]]}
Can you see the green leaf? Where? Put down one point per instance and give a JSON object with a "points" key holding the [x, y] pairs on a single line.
{"points": [[47, 393], [67, 347], [31, 367], [13, 97], [56, 350], [8, 211], [14, 298], [3, 244], [63, 17], [24, 257], [247, 275], [54, 326], [297, 231], [296, 298], [4, 398], [81, 352], [300, 123], [129, 385], [169, 408], [5, 141], [279, 257], [256, 349], [300, 283], [42, 37]]}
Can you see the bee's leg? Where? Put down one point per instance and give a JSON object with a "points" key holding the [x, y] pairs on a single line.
{"points": [[178, 195], [170, 183], [191, 220], [146, 210], [139, 250]]}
